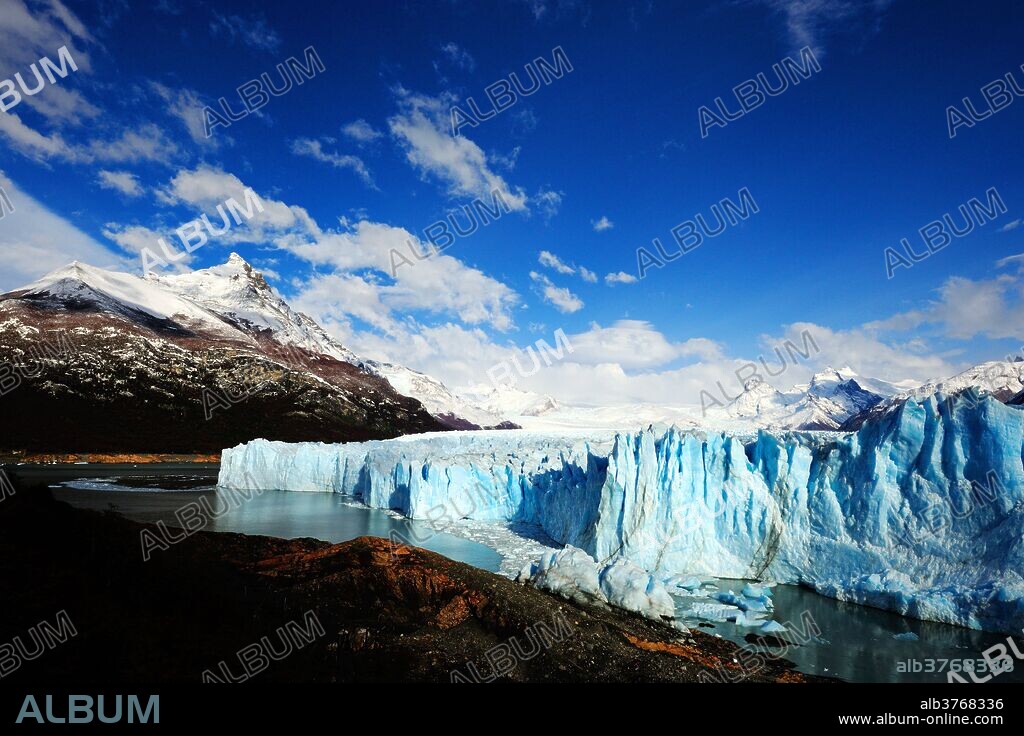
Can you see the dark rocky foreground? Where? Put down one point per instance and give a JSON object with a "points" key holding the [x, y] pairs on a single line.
{"points": [[386, 612]]}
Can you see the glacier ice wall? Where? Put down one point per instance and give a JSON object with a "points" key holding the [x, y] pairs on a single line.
{"points": [[919, 512]]}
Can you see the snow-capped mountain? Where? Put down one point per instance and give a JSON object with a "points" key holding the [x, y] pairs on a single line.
{"points": [[449, 408], [101, 360], [239, 294], [508, 401], [126, 295], [1002, 379], [830, 398]]}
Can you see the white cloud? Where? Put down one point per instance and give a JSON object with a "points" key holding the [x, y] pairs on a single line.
{"points": [[62, 106], [549, 259], [252, 31], [134, 239], [187, 106], [619, 278], [423, 127], [145, 143], [559, 297], [120, 181], [459, 56], [549, 202], [35, 241], [438, 284], [332, 299], [507, 161], [205, 187], [361, 131], [859, 347], [314, 149], [33, 144], [1011, 225], [1015, 260], [602, 224], [631, 361], [31, 31], [636, 344], [966, 308]]}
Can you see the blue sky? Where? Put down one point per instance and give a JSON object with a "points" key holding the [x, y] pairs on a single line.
{"points": [[843, 165]]}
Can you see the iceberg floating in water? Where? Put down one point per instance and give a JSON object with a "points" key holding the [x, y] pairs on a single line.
{"points": [[919, 512], [573, 574]]}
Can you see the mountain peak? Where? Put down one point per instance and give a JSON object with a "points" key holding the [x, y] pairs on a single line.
{"points": [[234, 273], [236, 261], [759, 387], [75, 269]]}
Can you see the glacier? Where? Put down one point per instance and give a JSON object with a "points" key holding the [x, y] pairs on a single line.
{"points": [[919, 512]]}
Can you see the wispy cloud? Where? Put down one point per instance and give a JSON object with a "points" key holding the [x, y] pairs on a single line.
{"points": [[549, 202], [361, 131], [39, 28], [602, 224], [968, 308], [145, 143], [33, 144], [554, 9], [809, 22], [314, 149], [560, 297], [252, 31], [459, 56], [549, 259], [353, 264], [120, 181], [187, 106], [423, 127], [35, 240], [619, 278]]}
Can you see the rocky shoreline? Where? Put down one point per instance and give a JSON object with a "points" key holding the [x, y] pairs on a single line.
{"points": [[219, 607]]}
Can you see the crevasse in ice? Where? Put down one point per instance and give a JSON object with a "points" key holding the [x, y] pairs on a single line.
{"points": [[919, 512]]}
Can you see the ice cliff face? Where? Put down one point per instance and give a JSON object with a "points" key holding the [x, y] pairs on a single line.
{"points": [[920, 512]]}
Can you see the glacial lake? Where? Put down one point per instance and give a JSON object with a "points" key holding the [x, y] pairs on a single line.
{"points": [[856, 643]]}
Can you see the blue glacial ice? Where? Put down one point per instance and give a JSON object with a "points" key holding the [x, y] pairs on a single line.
{"points": [[573, 574], [920, 512]]}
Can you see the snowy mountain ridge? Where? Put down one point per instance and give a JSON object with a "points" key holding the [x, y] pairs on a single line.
{"points": [[239, 294], [233, 302], [830, 398], [1001, 379]]}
